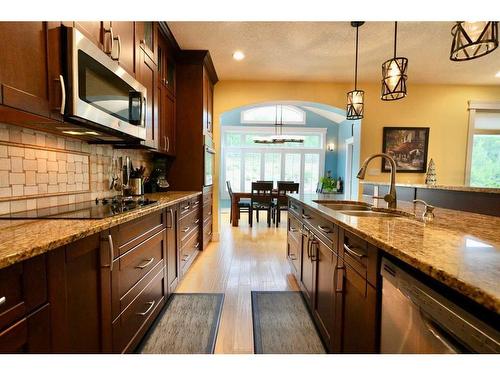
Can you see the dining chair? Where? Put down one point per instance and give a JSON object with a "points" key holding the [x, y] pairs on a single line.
{"points": [[284, 188], [243, 206], [262, 200], [268, 181]]}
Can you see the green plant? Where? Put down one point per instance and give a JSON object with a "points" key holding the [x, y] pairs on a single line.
{"points": [[328, 184]]}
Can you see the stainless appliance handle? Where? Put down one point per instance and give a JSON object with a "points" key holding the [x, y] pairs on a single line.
{"points": [[168, 143], [3, 300], [352, 252], [111, 252], [148, 262], [143, 111], [151, 305], [435, 331], [63, 94]]}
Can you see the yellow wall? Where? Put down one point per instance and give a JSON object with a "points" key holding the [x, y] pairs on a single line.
{"points": [[443, 108]]}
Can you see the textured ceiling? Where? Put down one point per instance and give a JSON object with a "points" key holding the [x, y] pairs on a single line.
{"points": [[324, 51]]}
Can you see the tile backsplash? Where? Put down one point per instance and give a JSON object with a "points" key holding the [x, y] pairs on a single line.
{"points": [[39, 169]]}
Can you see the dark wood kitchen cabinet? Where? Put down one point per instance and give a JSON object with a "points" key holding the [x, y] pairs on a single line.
{"points": [[79, 276], [94, 30], [208, 103], [147, 76], [24, 67], [147, 38], [124, 45], [24, 311]]}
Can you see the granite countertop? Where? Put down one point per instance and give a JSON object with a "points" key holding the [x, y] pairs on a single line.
{"points": [[24, 239], [438, 187], [459, 249]]}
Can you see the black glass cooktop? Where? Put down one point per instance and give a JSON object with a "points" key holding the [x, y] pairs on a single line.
{"points": [[98, 209]]}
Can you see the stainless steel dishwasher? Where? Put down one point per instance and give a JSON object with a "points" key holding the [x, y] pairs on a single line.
{"points": [[417, 319]]}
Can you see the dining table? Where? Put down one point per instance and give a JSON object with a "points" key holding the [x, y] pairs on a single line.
{"points": [[237, 196]]}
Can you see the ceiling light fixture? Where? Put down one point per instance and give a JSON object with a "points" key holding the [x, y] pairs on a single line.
{"points": [[238, 55], [355, 97], [278, 137], [394, 74], [473, 39]]}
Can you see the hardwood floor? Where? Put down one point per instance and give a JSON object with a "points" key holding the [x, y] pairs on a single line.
{"points": [[245, 259]]}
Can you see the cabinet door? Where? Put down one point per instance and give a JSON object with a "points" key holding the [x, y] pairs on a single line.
{"points": [[24, 67], [147, 72], [80, 296], [359, 314], [210, 108], [325, 261], [307, 275], [172, 249], [169, 124], [147, 36], [124, 44], [94, 30]]}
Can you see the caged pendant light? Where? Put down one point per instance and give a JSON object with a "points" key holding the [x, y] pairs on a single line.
{"points": [[394, 74], [355, 98], [473, 39]]}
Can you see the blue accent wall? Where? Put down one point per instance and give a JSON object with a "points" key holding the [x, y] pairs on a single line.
{"points": [[348, 129]]}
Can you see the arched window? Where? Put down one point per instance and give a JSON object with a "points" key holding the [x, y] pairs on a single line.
{"points": [[268, 114]]}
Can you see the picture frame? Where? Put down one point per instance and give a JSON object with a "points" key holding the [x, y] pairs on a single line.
{"points": [[408, 146]]}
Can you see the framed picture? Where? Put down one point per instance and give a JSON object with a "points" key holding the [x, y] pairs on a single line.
{"points": [[408, 147]]}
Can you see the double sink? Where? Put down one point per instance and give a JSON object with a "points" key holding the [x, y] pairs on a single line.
{"points": [[360, 209]]}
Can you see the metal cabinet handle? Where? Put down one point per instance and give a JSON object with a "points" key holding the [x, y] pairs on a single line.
{"points": [[197, 245], [292, 256], [117, 38], [185, 230], [3, 300], [340, 282], [196, 203], [307, 217], [171, 214], [111, 38], [111, 252], [352, 252], [151, 305], [143, 112], [314, 250], [197, 221], [293, 230], [168, 143], [185, 208], [209, 233], [324, 229], [63, 94], [148, 262]]}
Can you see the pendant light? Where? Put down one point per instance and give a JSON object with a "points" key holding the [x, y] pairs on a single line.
{"points": [[473, 39], [355, 97], [394, 74], [278, 137]]}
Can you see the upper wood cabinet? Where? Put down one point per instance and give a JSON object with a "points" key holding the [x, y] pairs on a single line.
{"points": [[24, 67], [147, 38], [208, 104], [93, 30], [124, 45], [147, 74]]}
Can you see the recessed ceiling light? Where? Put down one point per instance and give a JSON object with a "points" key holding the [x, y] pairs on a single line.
{"points": [[238, 55], [498, 74]]}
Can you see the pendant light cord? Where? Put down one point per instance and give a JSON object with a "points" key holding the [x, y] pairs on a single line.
{"points": [[395, 36], [356, 63]]}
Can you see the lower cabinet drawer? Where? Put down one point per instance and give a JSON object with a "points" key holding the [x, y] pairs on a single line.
{"points": [[130, 268], [23, 287], [320, 226], [188, 225], [293, 255], [29, 335], [189, 250], [135, 318], [294, 226]]}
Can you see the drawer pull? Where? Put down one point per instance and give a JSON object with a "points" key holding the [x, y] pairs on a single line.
{"points": [[186, 257], [197, 221], [185, 208], [196, 203], [185, 230], [352, 252], [292, 229], [3, 300], [148, 262], [292, 256], [151, 305], [209, 233], [197, 245], [307, 217], [324, 229]]}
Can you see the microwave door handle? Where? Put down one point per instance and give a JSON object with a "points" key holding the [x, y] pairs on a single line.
{"points": [[63, 94], [143, 111]]}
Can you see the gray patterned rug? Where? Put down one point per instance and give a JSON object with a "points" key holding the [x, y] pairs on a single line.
{"points": [[282, 324], [187, 325]]}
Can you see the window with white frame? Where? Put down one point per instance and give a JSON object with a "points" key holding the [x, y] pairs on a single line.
{"points": [[244, 161], [268, 114], [483, 150]]}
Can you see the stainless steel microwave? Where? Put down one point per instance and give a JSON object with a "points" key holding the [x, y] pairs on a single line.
{"points": [[98, 94]]}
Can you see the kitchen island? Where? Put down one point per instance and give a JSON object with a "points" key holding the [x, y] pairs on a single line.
{"points": [[458, 254]]}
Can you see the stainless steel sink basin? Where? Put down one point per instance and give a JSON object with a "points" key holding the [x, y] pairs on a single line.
{"points": [[347, 205], [370, 213]]}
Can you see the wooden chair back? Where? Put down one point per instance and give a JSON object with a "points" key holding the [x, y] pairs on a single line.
{"points": [[285, 188], [262, 193], [229, 189]]}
